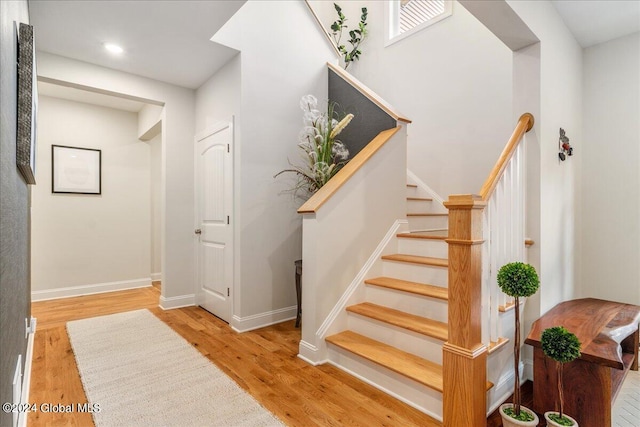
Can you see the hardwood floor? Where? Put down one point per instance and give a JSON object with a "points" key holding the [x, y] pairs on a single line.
{"points": [[263, 362]]}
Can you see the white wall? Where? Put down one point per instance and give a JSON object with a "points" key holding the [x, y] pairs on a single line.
{"points": [[610, 148], [177, 161], [218, 99], [155, 174], [276, 69], [80, 240], [453, 80]]}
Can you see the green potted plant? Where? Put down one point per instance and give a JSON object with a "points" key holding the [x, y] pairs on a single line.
{"points": [[562, 346], [518, 280]]}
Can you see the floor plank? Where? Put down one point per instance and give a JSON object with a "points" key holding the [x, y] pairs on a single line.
{"points": [[263, 362]]}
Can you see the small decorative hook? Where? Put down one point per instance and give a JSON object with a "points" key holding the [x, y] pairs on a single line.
{"points": [[563, 144]]}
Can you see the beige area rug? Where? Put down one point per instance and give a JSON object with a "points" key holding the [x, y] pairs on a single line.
{"points": [[140, 372]]}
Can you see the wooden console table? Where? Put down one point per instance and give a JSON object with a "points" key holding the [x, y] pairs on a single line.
{"points": [[609, 335]]}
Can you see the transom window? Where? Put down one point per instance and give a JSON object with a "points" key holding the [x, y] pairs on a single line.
{"points": [[406, 17]]}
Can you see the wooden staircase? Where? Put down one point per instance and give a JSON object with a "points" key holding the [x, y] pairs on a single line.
{"points": [[401, 326]]}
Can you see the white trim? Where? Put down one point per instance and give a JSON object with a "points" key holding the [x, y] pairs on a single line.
{"points": [[156, 276], [421, 184], [26, 379], [386, 390], [257, 321], [213, 129], [528, 369], [97, 288], [180, 301], [358, 281], [308, 352]]}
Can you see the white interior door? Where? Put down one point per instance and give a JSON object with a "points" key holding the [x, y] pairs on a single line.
{"points": [[214, 225]]}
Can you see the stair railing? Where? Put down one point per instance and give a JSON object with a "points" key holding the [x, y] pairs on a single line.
{"points": [[503, 225], [485, 230]]}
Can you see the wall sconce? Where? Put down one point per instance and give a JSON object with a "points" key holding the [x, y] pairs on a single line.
{"points": [[563, 144]]}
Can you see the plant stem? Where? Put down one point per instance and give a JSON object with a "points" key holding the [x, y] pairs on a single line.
{"points": [[516, 360], [560, 388]]}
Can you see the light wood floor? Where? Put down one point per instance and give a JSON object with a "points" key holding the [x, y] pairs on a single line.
{"points": [[263, 362]]}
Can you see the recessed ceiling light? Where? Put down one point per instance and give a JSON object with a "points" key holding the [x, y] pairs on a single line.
{"points": [[113, 48]]}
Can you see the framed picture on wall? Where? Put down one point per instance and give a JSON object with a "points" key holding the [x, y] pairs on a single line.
{"points": [[76, 170], [27, 104]]}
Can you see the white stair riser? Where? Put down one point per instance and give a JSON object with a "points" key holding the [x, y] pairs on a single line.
{"points": [[416, 273], [418, 206], [405, 340], [431, 308], [423, 247], [427, 222], [411, 392]]}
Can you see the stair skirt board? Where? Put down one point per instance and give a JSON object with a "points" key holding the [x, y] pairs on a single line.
{"points": [[416, 273], [424, 189], [402, 388], [423, 247], [337, 319], [403, 339], [431, 308]]}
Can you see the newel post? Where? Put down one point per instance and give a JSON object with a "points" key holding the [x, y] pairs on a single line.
{"points": [[464, 357]]}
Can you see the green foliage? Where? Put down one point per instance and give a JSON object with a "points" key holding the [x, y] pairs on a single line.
{"points": [[518, 279], [357, 35], [523, 416], [560, 344], [563, 421]]}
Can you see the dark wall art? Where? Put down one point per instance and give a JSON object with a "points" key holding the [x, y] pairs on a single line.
{"points": [[27, 104]]}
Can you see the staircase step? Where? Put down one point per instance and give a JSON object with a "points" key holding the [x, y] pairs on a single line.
{"points": [[420, 199], [421, 325], [430, 234], [407, 364], [414, 259], [411, 287], [427, 214], [412, 186]]}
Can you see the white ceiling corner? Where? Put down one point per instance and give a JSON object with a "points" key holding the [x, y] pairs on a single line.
{"points": [[167, 41], [598, 21]]}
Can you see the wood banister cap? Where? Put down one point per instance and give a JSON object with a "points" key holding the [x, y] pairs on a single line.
{"points": [[471, 201]]}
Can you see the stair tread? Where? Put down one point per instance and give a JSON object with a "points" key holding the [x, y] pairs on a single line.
{"points": [[427, 214], [420, 199], [411, 287], [415, 259], [407, 364], [411, 322], [430, 235], [412, 185]]}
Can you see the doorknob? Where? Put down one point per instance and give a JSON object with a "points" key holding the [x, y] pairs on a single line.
{"points": [[197, 231]]}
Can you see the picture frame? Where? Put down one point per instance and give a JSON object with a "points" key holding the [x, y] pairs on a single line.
{"points": [[76, 170], [27, 104]]}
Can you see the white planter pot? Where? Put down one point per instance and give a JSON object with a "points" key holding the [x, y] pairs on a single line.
{"points": [[551, 423], [507, 421]]}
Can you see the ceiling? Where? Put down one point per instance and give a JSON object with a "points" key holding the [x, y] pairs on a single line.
{"points": [[163, 40], [598, 21], [169, 40]]}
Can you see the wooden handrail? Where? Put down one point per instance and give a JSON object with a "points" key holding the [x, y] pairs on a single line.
{"points": [[368, 93], [525, 123], [339, 179]]}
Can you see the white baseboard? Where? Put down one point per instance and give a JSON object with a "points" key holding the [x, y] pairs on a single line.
{"points": [[98, 288], [309, 353], [528, 369], [257, 321], [26, 379], [156, 276], [503, 388], [177, 302]]}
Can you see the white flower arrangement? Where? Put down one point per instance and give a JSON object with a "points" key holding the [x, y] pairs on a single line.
{"points": [[323, 154]]}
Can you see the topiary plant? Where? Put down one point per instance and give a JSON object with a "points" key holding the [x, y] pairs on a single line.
{"points": [[517, 280], [562, 346]]}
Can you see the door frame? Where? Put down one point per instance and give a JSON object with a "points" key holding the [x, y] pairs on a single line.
{"points": [[199, 136]]}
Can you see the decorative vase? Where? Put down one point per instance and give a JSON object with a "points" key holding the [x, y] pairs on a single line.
{"points": [[551, 423], [507, 421]]}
